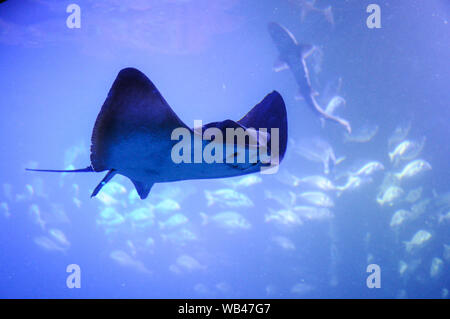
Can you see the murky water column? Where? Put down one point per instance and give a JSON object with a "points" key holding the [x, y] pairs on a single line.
{"points": [[334, 255]]}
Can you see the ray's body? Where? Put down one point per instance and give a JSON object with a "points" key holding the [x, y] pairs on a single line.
{"points": [[132, 136]]}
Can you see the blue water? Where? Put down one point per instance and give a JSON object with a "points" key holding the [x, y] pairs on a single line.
{"points": [[212, 60]]}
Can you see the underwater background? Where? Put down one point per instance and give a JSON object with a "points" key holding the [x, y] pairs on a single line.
{"points": [[255, 236]]}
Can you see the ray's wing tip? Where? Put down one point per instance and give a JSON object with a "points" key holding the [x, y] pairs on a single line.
{"points": [[276, 95], [278, 107], [277, 103], [129, 71]]}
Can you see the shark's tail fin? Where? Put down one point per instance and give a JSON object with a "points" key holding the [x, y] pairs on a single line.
{"points": [[88, 169]]}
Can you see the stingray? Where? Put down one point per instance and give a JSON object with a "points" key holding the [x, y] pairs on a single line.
{"points": [[132, 137]]}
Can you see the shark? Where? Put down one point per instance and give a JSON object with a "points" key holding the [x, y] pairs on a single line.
{"points": [[292, 55], [133, 137]]}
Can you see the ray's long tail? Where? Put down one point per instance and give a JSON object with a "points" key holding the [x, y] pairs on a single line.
{"points": [[88, 169]]}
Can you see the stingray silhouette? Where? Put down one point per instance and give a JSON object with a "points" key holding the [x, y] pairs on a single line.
{"points": [[132, 136]]}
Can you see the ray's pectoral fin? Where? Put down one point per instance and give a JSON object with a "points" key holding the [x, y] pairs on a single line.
{"points": [[105, 180], [143, 189], [271, 114]]}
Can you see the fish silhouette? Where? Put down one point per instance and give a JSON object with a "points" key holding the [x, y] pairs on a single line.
{"points": [[133, 137], [292, 55]]}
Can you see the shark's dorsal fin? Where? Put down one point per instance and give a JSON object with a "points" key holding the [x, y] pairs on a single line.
{"points": [[143, 189], [133, 103]]}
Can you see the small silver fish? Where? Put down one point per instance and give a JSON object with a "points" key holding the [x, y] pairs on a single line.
{"points": [[110, 217], [369, 169], [309, 213], [362, 135], [284, 242], [227, 197], [389, 195], [189, 263], [414, 195], [400, 217], [227, 220], [437, 265], [284, 217], [418, 240], [400, 133], [319, 182], [174, 221], [353, 182], [317, 198], [167, 205], [406, 150], [245, 181], [125, 260], [48, 244], [59, 236], [413, 168]]}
